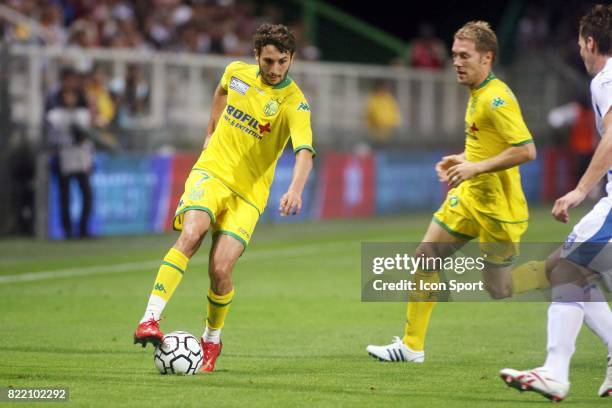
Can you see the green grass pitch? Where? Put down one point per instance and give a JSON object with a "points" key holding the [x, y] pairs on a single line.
{"points": [[296, 334]]}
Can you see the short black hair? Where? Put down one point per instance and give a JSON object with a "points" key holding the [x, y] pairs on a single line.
{"points": [[597, 23], [277, 35]]}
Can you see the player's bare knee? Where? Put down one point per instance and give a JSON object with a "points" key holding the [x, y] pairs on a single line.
{"points": [[189, 241], [220, 269]]}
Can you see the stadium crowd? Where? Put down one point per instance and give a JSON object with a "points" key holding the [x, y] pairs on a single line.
{"points": [[198, 26]]}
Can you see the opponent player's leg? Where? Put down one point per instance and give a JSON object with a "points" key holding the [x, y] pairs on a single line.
{"points": [[597, 316], [439, 241], [223, 256], [565, 317], [195, 224]]}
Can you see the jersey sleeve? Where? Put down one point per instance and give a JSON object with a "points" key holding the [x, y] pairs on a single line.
{"points": [[227, 74], [298, 115], [507, 118], [603, 98]]}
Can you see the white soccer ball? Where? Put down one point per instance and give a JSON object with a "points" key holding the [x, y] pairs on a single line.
{"points": [[180, 353]]}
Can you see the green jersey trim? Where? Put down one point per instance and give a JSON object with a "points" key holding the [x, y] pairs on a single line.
{"points": [[524, 142], [282, 84], [504, 221], [197, 208], [484, 83], [305, 147], [451, 231], [233, 235]]}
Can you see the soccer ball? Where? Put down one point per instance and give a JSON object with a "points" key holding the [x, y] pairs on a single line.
{"points": [[179, 353]]}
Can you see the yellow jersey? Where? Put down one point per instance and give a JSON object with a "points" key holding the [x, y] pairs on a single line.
{"points": [[253, 130], [493, 123]]}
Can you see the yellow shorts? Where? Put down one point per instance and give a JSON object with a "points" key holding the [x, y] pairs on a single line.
{"points": [[230, 214], [499, 240]]}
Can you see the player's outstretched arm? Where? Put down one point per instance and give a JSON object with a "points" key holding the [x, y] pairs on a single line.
{"points": [[291, 201], [218, 104], [599, 166], [512, 156]]}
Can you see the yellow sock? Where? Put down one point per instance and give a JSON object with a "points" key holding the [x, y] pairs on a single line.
{"points": [[420, 306], [170, 274], [218, 307], [528, 276]]}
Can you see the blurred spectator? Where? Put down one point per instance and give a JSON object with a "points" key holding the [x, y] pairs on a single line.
{"points": [[578, 118], [533, 28], [69, 80], [52, 20], [427, 50], [202, 26], [100, 102], [67, 132], [130, 96], [382, 113]]}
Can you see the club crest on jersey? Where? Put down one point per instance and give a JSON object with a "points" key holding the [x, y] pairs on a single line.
{"points": [[453, 201], [239, 86], [271, 108], [569, 241]]}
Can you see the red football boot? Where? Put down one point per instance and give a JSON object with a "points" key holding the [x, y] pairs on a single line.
{"points": [[148, 332], [211, 351]]}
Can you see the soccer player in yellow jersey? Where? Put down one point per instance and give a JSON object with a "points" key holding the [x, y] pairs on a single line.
{"points": [[255, 110], [486, 200]]}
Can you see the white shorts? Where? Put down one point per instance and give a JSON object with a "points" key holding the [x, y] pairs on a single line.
{"points": [[590, 243]]}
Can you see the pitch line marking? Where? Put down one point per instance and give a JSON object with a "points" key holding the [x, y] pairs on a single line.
{"points": [[301, 250]]}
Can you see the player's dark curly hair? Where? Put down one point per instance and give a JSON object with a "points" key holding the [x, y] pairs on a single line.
{"points": [[277, 35], [597, 23]]}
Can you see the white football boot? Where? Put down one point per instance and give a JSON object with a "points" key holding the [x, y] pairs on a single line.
{"points": [[606, 388], [396, 352], [537, 380]]}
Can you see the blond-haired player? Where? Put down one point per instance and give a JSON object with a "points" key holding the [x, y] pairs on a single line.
{"points": [[486, 200]]}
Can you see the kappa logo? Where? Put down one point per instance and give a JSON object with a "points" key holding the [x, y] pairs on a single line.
{"points": [[160, 287], [239, 86], [497, 102], [303, 106]]}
